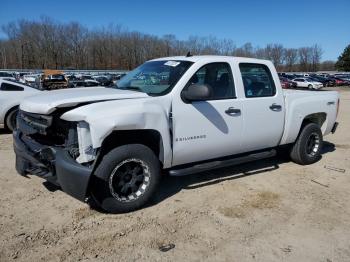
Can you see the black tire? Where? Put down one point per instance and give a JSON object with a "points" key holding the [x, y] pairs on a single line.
{"points": [[10, 120], [310, 86], [110, 187], [307, 148]]}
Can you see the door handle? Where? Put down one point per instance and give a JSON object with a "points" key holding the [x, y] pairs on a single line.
{"points": [[232, 111], [275, 107]]}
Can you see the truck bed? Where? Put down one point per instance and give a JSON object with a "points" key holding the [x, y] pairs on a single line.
{"points": [[301, 103]]}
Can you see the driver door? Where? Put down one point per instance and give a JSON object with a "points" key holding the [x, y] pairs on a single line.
{"points": [[208, 129]]}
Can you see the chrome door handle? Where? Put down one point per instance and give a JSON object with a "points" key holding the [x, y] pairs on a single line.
{"points": [[275, 107], [232, 111]]}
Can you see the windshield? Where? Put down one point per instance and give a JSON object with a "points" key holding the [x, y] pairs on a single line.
{"points": [[311, 80], [155, 77]]}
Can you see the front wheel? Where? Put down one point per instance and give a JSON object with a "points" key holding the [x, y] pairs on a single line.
{"points": [[126, 179], [307, 148], [310, 86], [11, 119]]}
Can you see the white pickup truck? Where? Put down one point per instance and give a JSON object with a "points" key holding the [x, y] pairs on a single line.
{"points": [[175, 115]]}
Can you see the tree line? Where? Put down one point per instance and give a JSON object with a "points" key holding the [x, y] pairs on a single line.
{"points": [[49, 44]]}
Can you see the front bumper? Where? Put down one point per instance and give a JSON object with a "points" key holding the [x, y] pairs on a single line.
{"points": [[52, 163]]}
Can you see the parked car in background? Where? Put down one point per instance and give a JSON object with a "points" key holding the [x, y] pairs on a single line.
{"points": [[308, 83], [84, 83], [286, 83], [6, 75], [325, 81], [120, 76], [86, 77], [104, 80], [340, 81], [289, 76], [345, 77], [90, 83], [53, 79], [29, 79], [11, 95]]}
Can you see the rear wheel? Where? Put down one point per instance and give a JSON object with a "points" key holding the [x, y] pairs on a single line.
{"points": [[310, 86], [11, 119], [126, 179], [307, 149]]}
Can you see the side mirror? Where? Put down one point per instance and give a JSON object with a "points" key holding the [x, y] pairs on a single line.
{"points": [[196, 92]]}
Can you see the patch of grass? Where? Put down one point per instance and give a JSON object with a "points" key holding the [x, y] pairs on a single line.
{"points": [[233, 212], [264, 199], [82, 213]]}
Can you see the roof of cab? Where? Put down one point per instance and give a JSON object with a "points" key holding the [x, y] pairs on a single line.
{"points": [[211, 58]]}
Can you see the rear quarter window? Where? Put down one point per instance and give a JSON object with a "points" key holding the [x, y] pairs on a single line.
{"points": [[10, 87]]}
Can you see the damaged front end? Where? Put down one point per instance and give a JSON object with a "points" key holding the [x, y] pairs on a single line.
{"points": [[57, 150]]}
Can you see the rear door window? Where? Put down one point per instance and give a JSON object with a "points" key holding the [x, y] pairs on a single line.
{"points": [[257, 80]]}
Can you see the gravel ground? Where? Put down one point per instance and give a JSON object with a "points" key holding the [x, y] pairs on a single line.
{"points": [[270, 210]]}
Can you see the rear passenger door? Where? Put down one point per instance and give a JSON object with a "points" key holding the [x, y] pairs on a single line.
{"points": [[263, 108]]}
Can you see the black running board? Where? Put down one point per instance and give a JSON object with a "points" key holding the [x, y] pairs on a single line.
{"points": [[222, 163]]}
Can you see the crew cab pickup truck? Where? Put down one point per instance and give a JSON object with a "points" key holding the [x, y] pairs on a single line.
{"points": [[174, 115]]}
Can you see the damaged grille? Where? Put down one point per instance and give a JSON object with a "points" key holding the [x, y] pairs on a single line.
{"points": [[46, 129], [33, 123]]}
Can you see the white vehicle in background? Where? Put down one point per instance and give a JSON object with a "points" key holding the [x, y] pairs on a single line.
{"points": [[11, 95], [307, 82], [29, 79], [6, 75]]}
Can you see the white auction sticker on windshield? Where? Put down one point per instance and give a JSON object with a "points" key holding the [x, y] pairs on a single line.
{"points": [[172, 63]]}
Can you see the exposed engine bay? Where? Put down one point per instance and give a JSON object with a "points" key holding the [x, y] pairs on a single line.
{"points": [[52, 131]]}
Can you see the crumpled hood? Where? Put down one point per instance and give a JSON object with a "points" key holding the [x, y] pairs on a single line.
{"points": [[47, 102]]}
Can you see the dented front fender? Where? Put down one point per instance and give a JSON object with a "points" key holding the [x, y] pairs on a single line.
{"points": [[130, 114]]}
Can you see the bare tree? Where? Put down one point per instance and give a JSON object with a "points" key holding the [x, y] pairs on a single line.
{"points": [[274, 52], [316, 57], [305, 58], [327, 65], [290, 58], [49, 44]]}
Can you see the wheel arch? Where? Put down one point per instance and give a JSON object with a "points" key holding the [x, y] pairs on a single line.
{"points": [[147, 137], [316, 118], [8, 112], [294, 127]]}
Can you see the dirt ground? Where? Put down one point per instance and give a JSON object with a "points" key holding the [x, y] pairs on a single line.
{"points": [[270, 210]]}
